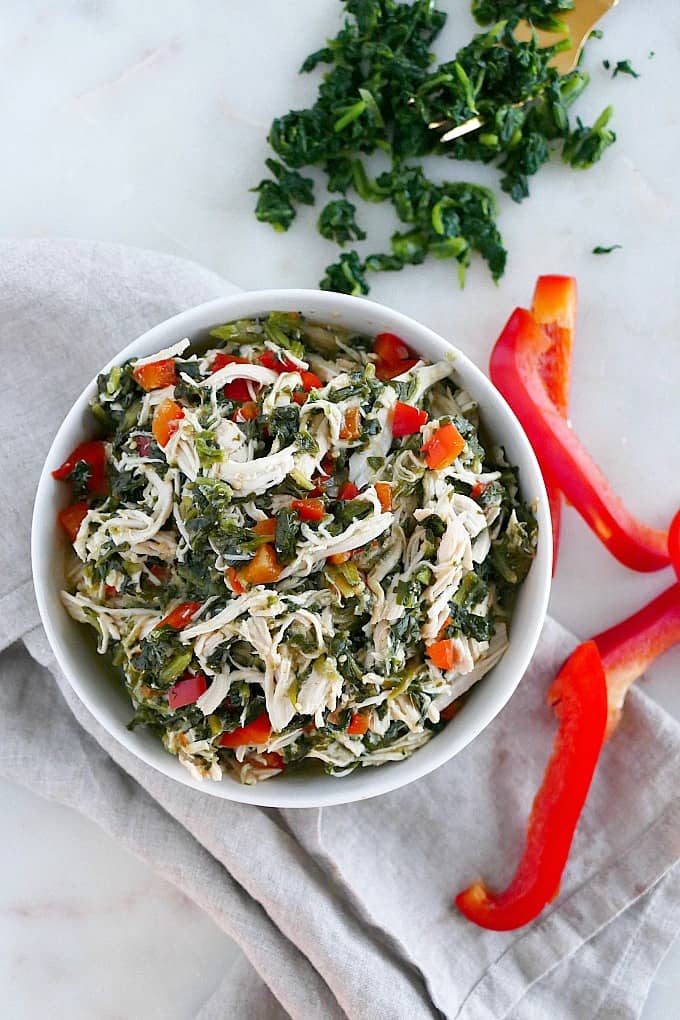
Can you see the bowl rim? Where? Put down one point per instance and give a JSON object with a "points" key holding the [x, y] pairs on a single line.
{"points": [[366, 782]]}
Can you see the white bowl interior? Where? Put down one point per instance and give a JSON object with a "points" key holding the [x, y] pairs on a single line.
{"points": [[93, 679]]}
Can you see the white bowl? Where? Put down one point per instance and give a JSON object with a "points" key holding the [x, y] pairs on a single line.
{"points": [[92, 678]]}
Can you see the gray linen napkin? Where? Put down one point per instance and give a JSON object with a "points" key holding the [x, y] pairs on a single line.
{"points": [[345, 912]]}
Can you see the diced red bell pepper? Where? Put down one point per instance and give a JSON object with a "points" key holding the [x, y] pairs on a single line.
{"points": [[309, 509], [348, 490], [310, 381], [71, 517], [187, 691], [274, 760], [391, 348], [180, 616], [554, 309], [234, 581], [256, 732], [383, 491], [443, 447], [246, 412], [166, 419], [156, 375], [238, 390], [393, 356], [407, 420], [514, 370], [94, 455], [578, 697], [221, 360], [270, 360], [443, 654], [630, 647], [264, 568], [358, 724], [351, 428], [266, 528]]}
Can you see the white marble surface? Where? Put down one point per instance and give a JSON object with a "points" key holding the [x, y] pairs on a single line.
{"points": [[145, 123]]}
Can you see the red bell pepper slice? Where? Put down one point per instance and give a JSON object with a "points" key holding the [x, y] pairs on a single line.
{"points": [[187, 691], [674, 544], [351, 428], [71, 517], [264, 568], [554, 309], [514, 370], [156, 375], [94, 455], [180, 616], [221, 360], [309, 509], [630, 647], [578, 697], [443, 654], [383, 491], [443, 447], [256, 732], [407, 420]]}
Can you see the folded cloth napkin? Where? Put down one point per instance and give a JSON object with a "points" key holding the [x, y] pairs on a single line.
{"points": [[343, 912]]}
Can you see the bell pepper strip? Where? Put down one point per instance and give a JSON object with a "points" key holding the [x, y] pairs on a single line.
{"points": [[630, 647], [554, 309], [156, 375], [358, 725], [238, 390], [351, 428], [674, 544], [94, 455], [407, 420], [256, 732], [180, 616], [309, 509], [443, 447], [71, 517], [337, 558], [390, 370], [264, 568], [578, 697], [383, 491], [443, 654], [274, 760], [187, 691], [166, 421], [266, 528], [515, 372]]}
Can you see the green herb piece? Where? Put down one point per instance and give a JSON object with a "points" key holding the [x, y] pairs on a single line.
{"points": [[585, 145], [624, 67], [79, 478], [346, 276], [542, 13], [287, 534], [337, 222], [275, 203], [602, 250]]}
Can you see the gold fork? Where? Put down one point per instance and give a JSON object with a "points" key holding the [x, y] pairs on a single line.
{"points": [[580, 21]]}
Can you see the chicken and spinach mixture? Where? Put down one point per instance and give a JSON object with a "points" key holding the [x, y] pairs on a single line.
{"points": [[294, 544]]}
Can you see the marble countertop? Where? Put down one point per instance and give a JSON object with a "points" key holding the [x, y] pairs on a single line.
{"points": [[146, 124]]}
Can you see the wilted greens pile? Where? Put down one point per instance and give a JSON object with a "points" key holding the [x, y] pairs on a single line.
{"points": [[381, 90]]}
